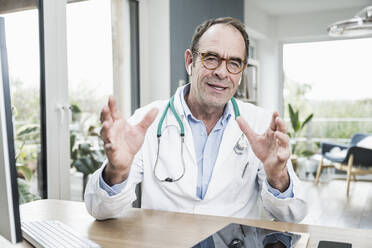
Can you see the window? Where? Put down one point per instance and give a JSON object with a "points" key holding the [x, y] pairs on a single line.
{"points": [[330, 79], [22, 39], [89, 46]]}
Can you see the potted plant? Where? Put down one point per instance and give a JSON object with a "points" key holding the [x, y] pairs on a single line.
{"points": [[26, 159], [297, 127], [86, 148], [307, 164]]}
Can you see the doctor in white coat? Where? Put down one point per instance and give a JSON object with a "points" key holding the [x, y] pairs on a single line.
{"points": [[229, 159]]}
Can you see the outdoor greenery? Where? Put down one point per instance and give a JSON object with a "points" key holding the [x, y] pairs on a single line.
{"points": [[26, 146], [321, 127], [24, 192], [85, 145]]}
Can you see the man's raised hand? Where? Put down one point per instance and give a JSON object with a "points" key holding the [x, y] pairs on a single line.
{"points": [[121, 141], [272, 148]]}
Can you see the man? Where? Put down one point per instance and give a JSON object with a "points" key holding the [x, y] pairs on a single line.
{"points": [[227, 163]]}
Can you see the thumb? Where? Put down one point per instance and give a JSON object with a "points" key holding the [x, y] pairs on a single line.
{"points": [[148, 119], [246, 129]]}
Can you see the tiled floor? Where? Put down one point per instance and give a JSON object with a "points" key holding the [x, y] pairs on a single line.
{"points": [[329, 206]]}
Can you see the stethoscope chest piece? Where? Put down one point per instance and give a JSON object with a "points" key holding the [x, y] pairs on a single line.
{"points": [[236, 243], [241, 145]]}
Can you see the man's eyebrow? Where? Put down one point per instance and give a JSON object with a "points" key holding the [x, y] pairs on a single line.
{"points": [[236, 58], [231, 58], [212, 53]]}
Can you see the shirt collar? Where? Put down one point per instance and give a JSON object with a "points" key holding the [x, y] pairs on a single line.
{"points": [[225, 116]]}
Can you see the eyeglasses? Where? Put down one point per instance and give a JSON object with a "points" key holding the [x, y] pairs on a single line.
{"points": [[212, 61]]}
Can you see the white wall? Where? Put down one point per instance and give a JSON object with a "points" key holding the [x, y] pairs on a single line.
{"points": [[263, 29], [270, 91], [258, 23], [154, 50]]}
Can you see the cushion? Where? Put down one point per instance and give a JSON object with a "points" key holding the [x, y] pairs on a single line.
{"points": [[336, 154], [366, 142]]}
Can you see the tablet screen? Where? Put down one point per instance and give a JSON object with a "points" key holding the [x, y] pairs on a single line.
{"points": [[239, 236]]}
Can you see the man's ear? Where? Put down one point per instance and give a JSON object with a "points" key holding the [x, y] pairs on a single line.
{"points": [[188, 61]]}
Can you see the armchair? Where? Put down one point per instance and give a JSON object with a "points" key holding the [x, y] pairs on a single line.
{"points": [[356, 161]]}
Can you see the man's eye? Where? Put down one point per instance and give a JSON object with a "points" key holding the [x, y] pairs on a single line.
{"points": [[235, 64], [211, 58]]}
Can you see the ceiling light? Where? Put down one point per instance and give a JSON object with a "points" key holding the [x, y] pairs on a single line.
{"points": [[359, 25]]}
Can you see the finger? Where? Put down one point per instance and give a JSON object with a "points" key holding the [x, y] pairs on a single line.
{"points": [[105, 115], [247, 130], [283, 138], [280, 124], [109, 148], [283, 155], [272, 124], [106, 126], [148, 119], [115, 113]]}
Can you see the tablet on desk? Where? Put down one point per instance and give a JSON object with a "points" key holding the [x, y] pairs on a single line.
{"points": [[239, 236]]}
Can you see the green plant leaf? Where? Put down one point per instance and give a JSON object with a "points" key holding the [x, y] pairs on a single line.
{"points": [[84, 149], [307, 153], [292, 116], [290, 109], [27, 130], [75, 109], [81, 167], [27, 172], [307, 120], [24, 192], [297, 121], [72, 141]]}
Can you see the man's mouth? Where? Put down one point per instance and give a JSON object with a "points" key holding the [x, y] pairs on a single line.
{"points": [[217, 87]]}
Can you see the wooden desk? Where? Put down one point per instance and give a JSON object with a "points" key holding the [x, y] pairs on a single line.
{"points": [[150, 228]]}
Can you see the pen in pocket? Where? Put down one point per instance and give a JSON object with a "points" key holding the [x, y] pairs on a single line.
{"points": [[245, 168]]}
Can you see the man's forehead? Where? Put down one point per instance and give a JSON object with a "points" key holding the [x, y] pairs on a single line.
{"points": [[223, 38]]}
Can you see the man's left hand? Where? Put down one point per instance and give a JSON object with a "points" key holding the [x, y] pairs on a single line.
{"points": [[272, 148]]}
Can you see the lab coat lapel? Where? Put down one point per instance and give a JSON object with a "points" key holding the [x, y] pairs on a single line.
{"points": [[189, 181], [230, 137], [224, 165]]}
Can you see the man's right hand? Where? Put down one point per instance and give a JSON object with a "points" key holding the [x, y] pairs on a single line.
{"points": [[121, 141]]}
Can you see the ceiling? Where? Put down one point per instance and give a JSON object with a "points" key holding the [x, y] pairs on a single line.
{"points": [[285, 7]]}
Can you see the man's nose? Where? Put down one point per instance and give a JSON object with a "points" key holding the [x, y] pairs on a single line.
{"points": [[221, 71]]}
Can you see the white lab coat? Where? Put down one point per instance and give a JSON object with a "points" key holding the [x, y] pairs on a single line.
{"points": [[228, 194]]}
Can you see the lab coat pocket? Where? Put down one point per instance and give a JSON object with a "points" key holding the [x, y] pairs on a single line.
{"points": [[245, 170]]}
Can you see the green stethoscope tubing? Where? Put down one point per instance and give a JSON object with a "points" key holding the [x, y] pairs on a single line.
{"points": [[170, 106]]}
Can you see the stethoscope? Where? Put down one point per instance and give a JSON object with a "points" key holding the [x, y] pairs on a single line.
{"points": [[240, 146]]}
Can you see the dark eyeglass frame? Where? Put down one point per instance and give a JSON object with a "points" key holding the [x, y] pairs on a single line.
{"points": [[220, 59]]}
